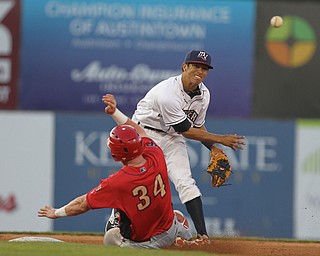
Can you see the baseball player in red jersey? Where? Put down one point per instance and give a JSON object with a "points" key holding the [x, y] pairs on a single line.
{"points": [[140, 190], [175, 109]]}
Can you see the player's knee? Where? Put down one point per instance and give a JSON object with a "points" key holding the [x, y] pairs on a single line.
{"points": [[113, 237], [187, 194]]}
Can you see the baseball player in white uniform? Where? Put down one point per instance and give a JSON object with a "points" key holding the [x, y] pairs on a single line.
{"points": [[175, 109]]}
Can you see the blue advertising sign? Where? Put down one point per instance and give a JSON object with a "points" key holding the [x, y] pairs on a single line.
{"points": [[81, 161], [259, 200], [258, 203], [73, 52]]}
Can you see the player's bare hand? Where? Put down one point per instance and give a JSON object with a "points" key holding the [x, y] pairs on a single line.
{"points": [[111, 103], [47, 211], [233, 141]]}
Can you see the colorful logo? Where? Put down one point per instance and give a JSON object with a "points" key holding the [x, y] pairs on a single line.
{"points": [[292, 45]]}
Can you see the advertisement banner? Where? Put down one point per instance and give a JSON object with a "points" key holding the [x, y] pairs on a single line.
{"points": [[82, 160], [307, 179], [286, 80], [26, 169], [74, 52], [258, 200], [249, 207], [9, 52]]}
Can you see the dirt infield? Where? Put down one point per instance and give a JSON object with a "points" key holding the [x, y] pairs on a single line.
{"points": [[219, 245]]}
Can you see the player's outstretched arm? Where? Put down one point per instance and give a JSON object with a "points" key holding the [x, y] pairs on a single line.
{"points": [[233, 141], [75, 207], [112, 110]]}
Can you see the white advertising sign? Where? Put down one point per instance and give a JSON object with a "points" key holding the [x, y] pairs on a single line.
{"points": [[26, 169], [307, 180]]}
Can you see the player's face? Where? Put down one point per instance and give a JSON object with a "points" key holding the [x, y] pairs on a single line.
{"points": [[194, 74]]}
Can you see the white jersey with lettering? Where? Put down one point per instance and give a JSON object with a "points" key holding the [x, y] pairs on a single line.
{"points": [[167, 104]]}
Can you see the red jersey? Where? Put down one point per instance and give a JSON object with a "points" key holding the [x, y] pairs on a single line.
{"points": [[142, 193]]}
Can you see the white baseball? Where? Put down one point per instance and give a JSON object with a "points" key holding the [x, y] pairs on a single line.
{"points": [[276, 21]]}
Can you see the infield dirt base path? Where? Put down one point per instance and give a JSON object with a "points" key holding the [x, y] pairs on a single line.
{"points": [[219, 245]]}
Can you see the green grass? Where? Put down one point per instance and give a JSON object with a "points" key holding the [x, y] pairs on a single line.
{"points": [[73, 249], [80, 249]]}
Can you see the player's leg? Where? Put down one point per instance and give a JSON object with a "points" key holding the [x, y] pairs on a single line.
{"points": [[113, 237], [118, 219], [114, 220], [164, 239], [184, 235], [195, 209], [183, 230], [167, 238], [180, 174], [177, 159]]}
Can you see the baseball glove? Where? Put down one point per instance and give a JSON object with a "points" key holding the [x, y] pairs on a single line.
{"points": [[219, 167]]}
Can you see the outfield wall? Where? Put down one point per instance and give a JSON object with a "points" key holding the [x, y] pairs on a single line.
{"points": [[57, 55], [307, 180], [48, 158], [26, 169]]}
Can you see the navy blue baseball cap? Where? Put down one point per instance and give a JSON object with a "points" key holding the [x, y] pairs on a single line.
{"points": [[199, 57]]}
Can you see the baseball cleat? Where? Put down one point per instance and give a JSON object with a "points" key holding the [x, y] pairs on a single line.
{"points": [[201, 240], [182, 242]]}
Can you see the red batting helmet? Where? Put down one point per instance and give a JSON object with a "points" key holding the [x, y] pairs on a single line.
{"points": [[124, 143]]}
